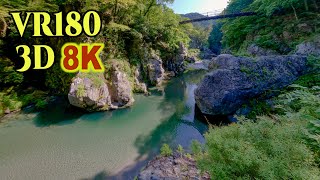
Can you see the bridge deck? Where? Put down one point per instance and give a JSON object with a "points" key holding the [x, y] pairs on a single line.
{"points": [[219, 17]]}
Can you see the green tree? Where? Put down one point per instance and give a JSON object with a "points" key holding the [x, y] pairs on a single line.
{"points": [[215, 38]]}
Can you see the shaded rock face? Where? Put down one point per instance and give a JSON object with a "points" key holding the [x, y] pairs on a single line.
{"points": [[206, 53], [177, 63], [120, 89], [140, 86], [255, 50], [309, 48], [155, 70], [85, 94], [98, 95], [172, 167], [236, 80], [191, 59]]}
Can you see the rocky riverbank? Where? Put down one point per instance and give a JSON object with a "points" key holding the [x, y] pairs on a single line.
{"points": [[172, 167]]}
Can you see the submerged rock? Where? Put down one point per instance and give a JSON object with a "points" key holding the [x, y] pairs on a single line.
{"points": [[236, 80], [172, 167]]}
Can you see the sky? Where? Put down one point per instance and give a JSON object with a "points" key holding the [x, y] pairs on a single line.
{"points": [[200, 6]]}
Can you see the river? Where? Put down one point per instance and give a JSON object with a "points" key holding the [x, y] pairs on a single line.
{"points": [[55, 144]]}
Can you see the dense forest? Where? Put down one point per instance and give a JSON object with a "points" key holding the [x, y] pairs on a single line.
{"points": [[279, 25], [279, 135]]}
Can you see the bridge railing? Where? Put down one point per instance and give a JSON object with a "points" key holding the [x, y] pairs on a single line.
{"points": [[213, 13]]}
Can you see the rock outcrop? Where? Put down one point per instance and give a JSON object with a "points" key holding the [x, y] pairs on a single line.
{"points": [[206, 53], [176, 64], [236, 80], [172, 167], [139, 85], [309, 48], [255, 50], [88, 94], [120, 89], [93, 93], [155, 70]]}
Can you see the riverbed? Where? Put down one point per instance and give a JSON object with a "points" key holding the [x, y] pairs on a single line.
{"points": [[56, 144]]}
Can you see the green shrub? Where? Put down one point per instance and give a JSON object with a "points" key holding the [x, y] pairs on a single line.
{"points": [[276, 147], [180, 150], [196, 148], [8, 74], [165, 150], [81, 91], [41, 104], [262, 150], [304, 104]]}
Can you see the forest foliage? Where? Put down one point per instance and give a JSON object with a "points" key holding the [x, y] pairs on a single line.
{"points": [[279, 25], [131, 28]]}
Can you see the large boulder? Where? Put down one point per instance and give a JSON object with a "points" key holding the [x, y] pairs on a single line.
{"points": [[88, 94], [120, 89], [236, 80], [155, 70], [92, 92]]}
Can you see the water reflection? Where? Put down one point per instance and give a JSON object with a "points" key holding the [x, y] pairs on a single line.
{"points": [[180, 128]]}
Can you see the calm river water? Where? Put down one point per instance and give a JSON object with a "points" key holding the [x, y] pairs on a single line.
{"points": [[55, 144]]}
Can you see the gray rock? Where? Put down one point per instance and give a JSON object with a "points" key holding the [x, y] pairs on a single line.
{"points": [[304, 27], [120, 89], [177, 63], [139, 85], [155, 70], [171, 168], [255, 50], [95, 94], [207, 54], [309, 48], [183, 50], [86, 94], [7, 111], [237, 80]]}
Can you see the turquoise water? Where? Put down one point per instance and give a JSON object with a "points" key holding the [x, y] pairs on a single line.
{"points": [[56, 144]]}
